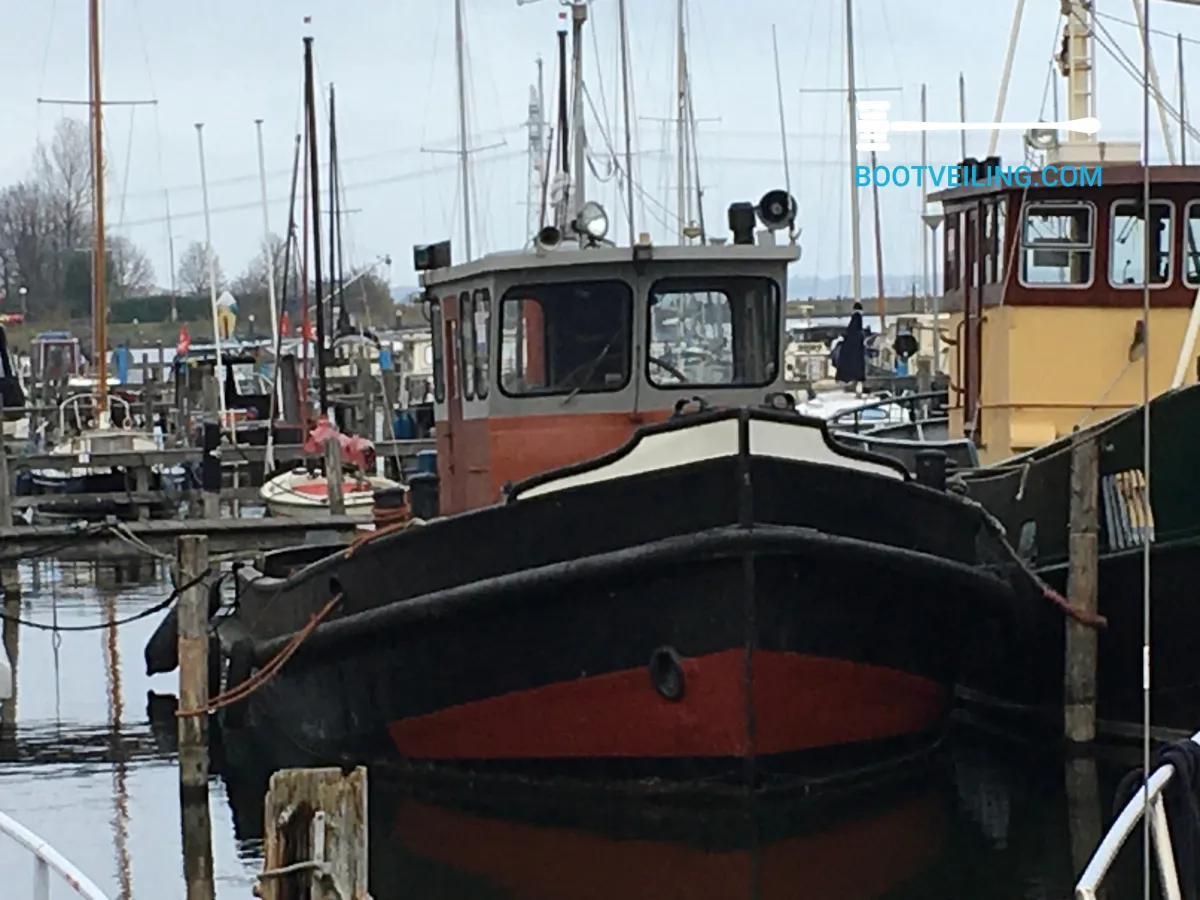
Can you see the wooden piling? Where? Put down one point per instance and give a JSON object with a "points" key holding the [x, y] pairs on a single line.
{"points": [[11, 582], [333, 474], [1079, 701], [366, 399], [315, 835], [6, 485], [211, 441], [193, 694]]}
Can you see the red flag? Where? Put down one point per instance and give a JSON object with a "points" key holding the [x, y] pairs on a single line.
{"points": [[309, 334], [285, 325], [185, 341]]}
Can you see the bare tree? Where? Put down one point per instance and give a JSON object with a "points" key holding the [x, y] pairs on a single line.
{"points": [[46, 230], [253, 281], [130, 271], [192, 277]]}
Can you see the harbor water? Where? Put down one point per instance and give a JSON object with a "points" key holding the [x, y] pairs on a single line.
{"points": [[91, 767]]}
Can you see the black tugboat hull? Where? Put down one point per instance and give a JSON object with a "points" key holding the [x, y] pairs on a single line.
{"points": [[746, 613]]}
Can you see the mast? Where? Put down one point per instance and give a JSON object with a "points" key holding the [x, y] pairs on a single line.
{"points": [[682, 212], [267, 249], [335, 300], [852, 102], [464, 159], [211, 259], [536, 126], [579, 13], [315, 176], [562, 201], [99, 268], [627, 113]]}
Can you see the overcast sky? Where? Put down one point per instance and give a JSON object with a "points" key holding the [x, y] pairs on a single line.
{"points": [[228, 62]]}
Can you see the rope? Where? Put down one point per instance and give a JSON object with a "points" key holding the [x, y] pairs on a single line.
{"points": [[267, 672], [1092, 620], [1182, 797], [156, 608]]}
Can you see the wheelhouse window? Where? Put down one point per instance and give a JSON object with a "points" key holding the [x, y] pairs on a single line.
{"points": [[466, 350], [437, 333], [483, 324], [994, 256], [718, 332], [1058, 244], [568, 338], [1127, 255], [1191, 243], [951, 254]]}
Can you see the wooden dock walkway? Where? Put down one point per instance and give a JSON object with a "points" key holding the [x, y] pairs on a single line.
{"points": [[98, 541]]}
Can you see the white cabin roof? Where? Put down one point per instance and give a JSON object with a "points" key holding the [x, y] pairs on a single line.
{"points": [[568, 256]]}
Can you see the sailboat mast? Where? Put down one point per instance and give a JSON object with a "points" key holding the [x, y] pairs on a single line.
{"points": [[681, 185], [852, 104], [464, 158], [99, 306], [626, 111], [310, 104], [335, 298], [579, 12]]}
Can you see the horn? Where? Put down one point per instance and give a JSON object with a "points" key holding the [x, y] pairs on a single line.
{"points": [[776, 210]]}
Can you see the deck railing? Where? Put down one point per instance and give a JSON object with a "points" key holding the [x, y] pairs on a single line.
{"points": [[1160, 838], [46, 860]]}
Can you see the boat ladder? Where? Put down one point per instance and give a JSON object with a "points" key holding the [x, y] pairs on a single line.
{"points": [[47, 859], [1150, 792]]}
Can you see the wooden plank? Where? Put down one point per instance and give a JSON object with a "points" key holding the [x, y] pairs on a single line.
{"points": [[226, 536]]}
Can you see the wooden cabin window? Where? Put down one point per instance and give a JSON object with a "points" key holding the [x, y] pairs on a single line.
{"points": [[994, 257], [1058, 243], [437, 333], [951, 254], [483, 356], [466, 348], [568, 338], [1127, 235], [1191, 244], [718, 331]]}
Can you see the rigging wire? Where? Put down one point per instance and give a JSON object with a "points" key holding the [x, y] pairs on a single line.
{"points": [[1147, 535]]}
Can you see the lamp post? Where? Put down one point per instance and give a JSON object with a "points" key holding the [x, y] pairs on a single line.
{"points": [[24, 294]]}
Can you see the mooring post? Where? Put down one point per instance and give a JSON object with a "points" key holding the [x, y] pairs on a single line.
{"points": [[6, 486], [210, 466], [366, 406], [1083, 588], [333, 475], [11, 581], [316, 816], [193, 694]]}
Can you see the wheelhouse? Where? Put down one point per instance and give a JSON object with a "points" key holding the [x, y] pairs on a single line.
{"points": [[1044, 284], [542, 359]]}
